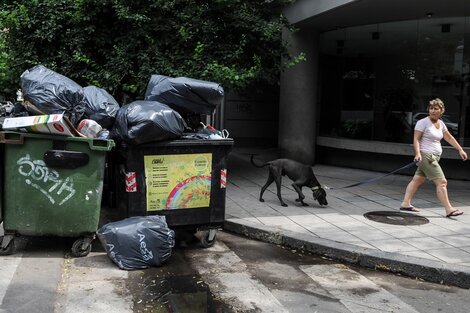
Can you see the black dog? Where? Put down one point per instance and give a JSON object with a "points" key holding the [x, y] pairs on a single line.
{"points": [[301, 174]]}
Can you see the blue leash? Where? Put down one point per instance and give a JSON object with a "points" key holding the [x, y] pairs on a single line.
{"points": [[371, 180]]}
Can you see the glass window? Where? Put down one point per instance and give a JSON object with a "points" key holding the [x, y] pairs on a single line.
{"points": [[376, 80], [464, 121], [439, 67]]}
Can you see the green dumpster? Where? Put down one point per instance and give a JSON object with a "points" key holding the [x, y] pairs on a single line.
{"points": [[52, 186]]}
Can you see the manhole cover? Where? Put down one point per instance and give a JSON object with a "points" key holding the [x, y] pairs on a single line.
{"points": [[396, 218]]}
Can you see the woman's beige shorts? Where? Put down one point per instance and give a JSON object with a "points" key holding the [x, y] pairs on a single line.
{"points": [[429, 166]]}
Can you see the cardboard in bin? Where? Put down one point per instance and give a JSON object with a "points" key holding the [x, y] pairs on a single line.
{"points": [[56, 124]]}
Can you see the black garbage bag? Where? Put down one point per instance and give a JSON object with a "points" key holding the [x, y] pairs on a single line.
{"points": [[100, 106], [147, 121], [53, 93], [185, 95], [137, 242]]}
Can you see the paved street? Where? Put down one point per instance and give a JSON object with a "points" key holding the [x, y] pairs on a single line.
{"points": [[235, 275]]}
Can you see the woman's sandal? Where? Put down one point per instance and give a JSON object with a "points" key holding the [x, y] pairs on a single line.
{"points": [[456, 212], [409, 209]]}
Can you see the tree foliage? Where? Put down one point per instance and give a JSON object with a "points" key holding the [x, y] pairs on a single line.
{"points": [[118, 44]]}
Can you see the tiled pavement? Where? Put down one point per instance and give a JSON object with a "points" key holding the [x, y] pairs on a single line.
{"points": [[442, 244]]}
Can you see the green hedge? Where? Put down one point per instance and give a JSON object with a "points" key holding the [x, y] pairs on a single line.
{"points": [[118, 44]]}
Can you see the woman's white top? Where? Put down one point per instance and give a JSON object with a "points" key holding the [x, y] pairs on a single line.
{"points": [[431, 140]]}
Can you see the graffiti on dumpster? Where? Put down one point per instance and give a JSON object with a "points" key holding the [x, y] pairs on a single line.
{"points": [[46, 180]]}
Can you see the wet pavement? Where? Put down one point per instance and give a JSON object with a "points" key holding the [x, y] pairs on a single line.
{"points": [[290, 281], [173, 287], [156, 292]]}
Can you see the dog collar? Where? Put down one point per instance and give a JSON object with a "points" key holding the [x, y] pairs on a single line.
{"points": [[315, 188]]}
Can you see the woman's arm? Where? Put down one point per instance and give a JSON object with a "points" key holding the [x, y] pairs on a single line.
{"points": [[453, 142], [416, 145]]}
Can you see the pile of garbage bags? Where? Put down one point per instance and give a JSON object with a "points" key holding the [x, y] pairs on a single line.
{"points": [[166, 113], [51, 103]]}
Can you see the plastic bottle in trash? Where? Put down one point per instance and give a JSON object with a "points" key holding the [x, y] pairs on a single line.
{"points": [[89, 128], [19, 96]]}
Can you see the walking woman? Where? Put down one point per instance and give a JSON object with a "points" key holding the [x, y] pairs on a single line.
{"points": [[428, 134]]}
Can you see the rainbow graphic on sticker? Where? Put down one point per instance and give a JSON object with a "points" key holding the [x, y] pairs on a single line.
{"points": [[192, 192]]}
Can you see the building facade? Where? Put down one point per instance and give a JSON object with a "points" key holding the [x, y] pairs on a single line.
{"points": [[372, 67]]}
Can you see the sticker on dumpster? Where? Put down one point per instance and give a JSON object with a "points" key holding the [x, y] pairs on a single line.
{"points": [[178, 181], [223, 178], [131, 182], [47, 181]]}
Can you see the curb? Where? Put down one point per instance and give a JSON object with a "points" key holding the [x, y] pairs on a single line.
{"points": [[428, 270]]}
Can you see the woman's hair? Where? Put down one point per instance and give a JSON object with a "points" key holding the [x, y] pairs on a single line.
{"points": [[437, 102]]}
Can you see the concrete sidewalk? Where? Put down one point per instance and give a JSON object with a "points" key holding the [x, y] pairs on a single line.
{"points": [[438, 251]]}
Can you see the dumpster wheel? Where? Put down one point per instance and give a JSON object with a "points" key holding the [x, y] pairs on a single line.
{"points": [[208, 238], [81, 247], [9, 248]]}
